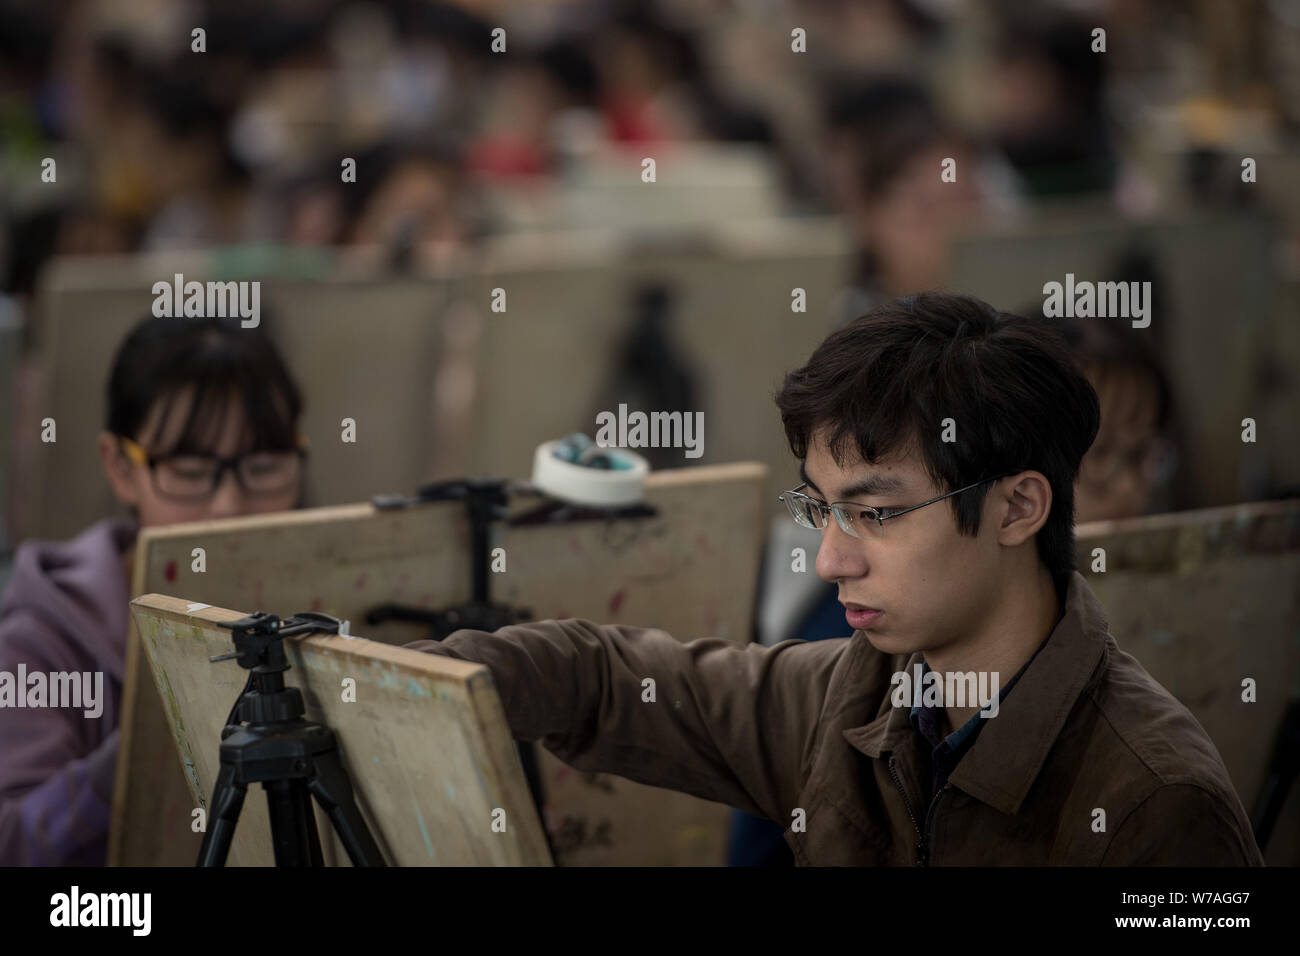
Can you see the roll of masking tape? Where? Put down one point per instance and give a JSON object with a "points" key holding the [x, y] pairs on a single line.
{"points": [[616, 487]]}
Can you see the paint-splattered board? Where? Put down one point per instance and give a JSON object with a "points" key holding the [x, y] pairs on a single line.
{"points": [[1205, 599], [424, 740], [691, 571]]}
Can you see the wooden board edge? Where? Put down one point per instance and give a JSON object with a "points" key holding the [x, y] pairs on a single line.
{"points": [[1177, 520], [245, 523], [121, 782], [416, 663], [727, 471], [492, 726]]}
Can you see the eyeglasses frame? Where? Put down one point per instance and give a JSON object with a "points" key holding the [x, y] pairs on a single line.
{"points": [[880, 519], [137, 454]]}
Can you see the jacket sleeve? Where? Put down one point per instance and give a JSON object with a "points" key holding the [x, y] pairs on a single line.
{"points": [[65, 820], [1183, 825], [721, 721], [56, 789]]}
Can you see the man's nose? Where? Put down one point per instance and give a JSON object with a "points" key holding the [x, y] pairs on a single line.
{"points": [[840, 555]]}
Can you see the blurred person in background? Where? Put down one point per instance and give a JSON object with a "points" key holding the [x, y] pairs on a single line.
{"points": [[316, 208], [643, 98], [885, 145], [654, 84], [872, 35], [203, 192], [1050, 118], [1130, 468], [538, 111], [1134, 457], [202, 423], [414, 201], [411, 199]]}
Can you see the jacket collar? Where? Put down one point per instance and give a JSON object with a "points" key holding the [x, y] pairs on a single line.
{"points": [[1007, 756]]}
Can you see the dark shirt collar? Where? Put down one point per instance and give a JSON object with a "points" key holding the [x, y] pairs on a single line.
{"points": [[928, 720], [1012, 751]]}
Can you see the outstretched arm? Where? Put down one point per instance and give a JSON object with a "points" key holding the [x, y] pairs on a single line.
{"points": [[711, 718]]}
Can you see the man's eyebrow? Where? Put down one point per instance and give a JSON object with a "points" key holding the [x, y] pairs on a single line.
{"points": [[803, 476], [874, 485], [868, 487]]}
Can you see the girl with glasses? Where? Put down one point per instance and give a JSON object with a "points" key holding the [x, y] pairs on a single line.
{"points": [[202, 422]]}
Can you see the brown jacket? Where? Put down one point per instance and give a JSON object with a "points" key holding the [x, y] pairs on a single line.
{"points": [[810, 726]]}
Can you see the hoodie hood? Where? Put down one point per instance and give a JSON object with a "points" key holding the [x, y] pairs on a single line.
{"points": [[80, 589]]}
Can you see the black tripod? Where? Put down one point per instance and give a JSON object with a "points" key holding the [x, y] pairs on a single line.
{"points": [[266, 740]]}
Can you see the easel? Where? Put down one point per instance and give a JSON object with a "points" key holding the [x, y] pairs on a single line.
{"points": [[690, 570], [429, 754]]}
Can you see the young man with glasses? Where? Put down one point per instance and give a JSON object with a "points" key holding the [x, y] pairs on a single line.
{"points": [[939, 442], [202, 422]]}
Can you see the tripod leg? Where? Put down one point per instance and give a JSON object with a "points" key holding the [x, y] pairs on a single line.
{"points": [[532, 772], [227, 799], [333, 790], [293, 823], [533, 777]]}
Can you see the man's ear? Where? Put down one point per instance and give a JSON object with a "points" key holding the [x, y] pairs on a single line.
{"points": [[117, 469], [1028, 500]]}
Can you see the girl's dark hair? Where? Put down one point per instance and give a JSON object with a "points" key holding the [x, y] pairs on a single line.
{"points": [[887, 380], [161, 357]]}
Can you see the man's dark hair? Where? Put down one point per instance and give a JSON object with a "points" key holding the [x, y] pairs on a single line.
{"points": [[885, 382]]}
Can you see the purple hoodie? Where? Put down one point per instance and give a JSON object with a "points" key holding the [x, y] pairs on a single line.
{"points": [[65, 610]]}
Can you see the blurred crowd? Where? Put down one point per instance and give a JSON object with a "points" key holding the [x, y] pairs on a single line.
{"points": [[162, 147]]}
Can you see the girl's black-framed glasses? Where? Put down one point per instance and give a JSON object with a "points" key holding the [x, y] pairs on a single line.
{"points": [[189, 477]]}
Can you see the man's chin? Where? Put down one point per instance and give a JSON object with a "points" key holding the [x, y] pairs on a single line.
{"points": [[886, 642]]}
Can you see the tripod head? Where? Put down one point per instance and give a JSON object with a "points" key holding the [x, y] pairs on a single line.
{"points": [[485, 501], [257, 638], [259, 649]]}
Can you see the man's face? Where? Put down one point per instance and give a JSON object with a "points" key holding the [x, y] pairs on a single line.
{"points": [[929, 585]]}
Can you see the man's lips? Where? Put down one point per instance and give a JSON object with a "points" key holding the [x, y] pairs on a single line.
{"points": [[860, 616]]}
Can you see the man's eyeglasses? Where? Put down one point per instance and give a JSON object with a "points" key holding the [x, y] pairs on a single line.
{"points": [[187, 477], [815, 513]]}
